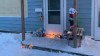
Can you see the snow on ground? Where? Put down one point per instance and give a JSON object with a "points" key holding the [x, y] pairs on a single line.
{"points": [[10, 46]]}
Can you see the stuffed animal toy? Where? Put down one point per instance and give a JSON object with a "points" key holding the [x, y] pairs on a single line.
{"points": [[72, 11]]}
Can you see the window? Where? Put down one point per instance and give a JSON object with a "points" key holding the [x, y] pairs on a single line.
{"points": [[54, 11], [11, 8]]}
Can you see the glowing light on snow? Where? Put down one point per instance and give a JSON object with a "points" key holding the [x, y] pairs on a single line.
{"points": [[22, 46], [52, 35]]}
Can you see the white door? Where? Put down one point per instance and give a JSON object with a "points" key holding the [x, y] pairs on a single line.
{"points": [[97, 20], [55, 16]]}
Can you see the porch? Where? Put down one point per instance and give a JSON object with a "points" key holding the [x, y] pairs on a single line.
{"points": [[56, 45]]}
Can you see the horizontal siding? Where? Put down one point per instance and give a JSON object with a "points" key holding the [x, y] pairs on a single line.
{"points": [[32, 22], [10, 24], [84, 14]]}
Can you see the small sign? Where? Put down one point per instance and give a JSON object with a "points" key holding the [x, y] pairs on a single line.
{"points": [[38, 9]]}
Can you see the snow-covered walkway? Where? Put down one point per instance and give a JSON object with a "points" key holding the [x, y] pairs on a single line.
{"points": [[10, 46]]}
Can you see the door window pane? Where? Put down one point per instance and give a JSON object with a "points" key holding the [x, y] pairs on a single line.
{"points": [[54, 4], [53, 11], [54, 17]]}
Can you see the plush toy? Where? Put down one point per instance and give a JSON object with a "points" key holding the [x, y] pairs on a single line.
{"points": [[72, 11]]}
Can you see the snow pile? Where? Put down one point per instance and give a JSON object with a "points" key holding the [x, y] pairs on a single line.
{"points": [[90, 46], [7, 38], [88, 42]]}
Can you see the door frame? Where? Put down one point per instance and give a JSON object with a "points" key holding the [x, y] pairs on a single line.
{"points": [[94, 19], [64, 14]]}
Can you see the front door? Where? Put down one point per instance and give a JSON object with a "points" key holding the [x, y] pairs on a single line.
{"points": [[54, 16], [97, 20]]}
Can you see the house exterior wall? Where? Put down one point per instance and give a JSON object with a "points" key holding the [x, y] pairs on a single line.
{"points": [[10, 15], [84, 14], [32, 22], [10, 20], [10, 23]]}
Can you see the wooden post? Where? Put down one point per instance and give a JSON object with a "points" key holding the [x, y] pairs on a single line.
{"points": [[75, 26], [22, 20]]}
